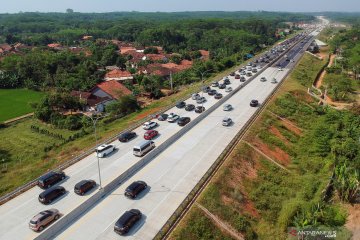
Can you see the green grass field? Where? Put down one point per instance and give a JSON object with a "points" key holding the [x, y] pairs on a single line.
{"points": [[15, 102]]}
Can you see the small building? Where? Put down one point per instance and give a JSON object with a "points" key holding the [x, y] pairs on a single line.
{"points": [[118, 75]]}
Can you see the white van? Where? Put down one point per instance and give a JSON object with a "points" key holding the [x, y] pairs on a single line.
{"points": [[144, 147], [104, 150]]}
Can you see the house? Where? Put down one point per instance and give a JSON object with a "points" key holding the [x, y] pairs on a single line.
{"points": [[124, 50], [118, 75], [56, 46], [111, 89], [205, 55], [87, 37], [5, 48], [155, 57]]}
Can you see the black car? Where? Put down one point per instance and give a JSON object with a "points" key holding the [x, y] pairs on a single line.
{"points": [[199, 109], [254, 103], [222, 86], [50, 179], [189, 107], [180, 104], [232, 74], [127, 136], [126, 221], [212, 92], [183, 121], [134, 189], [206, 89], [227, 81], [163, 117], [242, 79], [51, 194], [218, 96], [84, 186]]}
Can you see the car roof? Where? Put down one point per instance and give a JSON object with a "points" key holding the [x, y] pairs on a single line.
{"points": [[103, 146], [226, 118], [44, 193], [47, 175], [82, 182]]}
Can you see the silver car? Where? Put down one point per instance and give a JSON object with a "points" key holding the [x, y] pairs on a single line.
{"points": [[226, 121], [44, 218], [227, 107]]}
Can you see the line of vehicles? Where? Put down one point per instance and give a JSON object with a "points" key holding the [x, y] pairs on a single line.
{"points": [[50, 180]]}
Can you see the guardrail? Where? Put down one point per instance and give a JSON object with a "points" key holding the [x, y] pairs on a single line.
{"points": [[91, 201], [191, 197]]}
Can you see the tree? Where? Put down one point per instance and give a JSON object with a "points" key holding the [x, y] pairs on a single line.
{"points": [[69, 10], [125, 105]]}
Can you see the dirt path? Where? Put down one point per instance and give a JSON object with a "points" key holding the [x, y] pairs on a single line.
{"points": [[353, 220], [223, 225], [319, 81]]}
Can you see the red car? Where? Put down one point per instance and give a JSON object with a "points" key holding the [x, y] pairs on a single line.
{"points": [[237, 76], [150, 134]]}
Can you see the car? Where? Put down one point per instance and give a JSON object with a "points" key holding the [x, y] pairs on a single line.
{"points": [[232, 74], [126, 221], [205, 89], [149, 125], [162, 117], [243, 73], [226, 121], [127, 136], [267, 61], [50, 179], [237, 76], [214, 84], [242, 79], [218, 96], [254, 103], [263, 79], [44, 218], [84, 186], [288, 59], [150, 134], [201, 100], [226, 78], [273, 80], [180, 104], [227, 81], [249, 74], [183, 121], [133, 190], [51, 194], [227, 107], [292, 60], [254, 70], [189, 107], [173, 117], [199, 109], [249, 64], [222, 86], [104, 150], [212, 92], [280, 69], [195, 96], [228, 89]]}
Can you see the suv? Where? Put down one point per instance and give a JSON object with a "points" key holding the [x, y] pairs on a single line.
{"points": [[44, 218], [226, 121], [126, 221], [232, 74], [134, 189], [150, 134], [84, 186], [149, 125], [227, 81], [127, 136], [183, 121], [242, 79], [222, 86], [162, 117], [51, 194], [50, 179]]}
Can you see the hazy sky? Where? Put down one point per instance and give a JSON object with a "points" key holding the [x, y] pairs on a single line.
{"points": [[13, 6]]}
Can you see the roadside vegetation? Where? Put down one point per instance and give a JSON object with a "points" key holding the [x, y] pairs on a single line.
{"points": [[314, 143]]}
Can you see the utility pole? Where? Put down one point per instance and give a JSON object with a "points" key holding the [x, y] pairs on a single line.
{"points": [[171, 82], [202, 82]]}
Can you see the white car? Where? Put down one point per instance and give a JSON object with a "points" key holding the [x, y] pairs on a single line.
{"points": [[149, 125], [227, 107], [280, 69], [226, 121], [228, 89], [263, 79], [273, 80], [173, 117], [104, 150]]}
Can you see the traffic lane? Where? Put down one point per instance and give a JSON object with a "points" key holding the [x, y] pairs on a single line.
{"points": [[168, 169]]}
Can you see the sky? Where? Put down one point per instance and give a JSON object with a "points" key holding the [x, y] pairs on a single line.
{"points": [[14, 6]]}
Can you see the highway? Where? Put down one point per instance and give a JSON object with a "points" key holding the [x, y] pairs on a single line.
{"points": [[171, 175]]}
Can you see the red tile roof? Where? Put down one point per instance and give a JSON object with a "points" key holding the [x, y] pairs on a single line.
{"points": [[54, 45], [156, 57], [5, 47], [205, 54], [114, 89], [124, 50], [117, 73]]}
